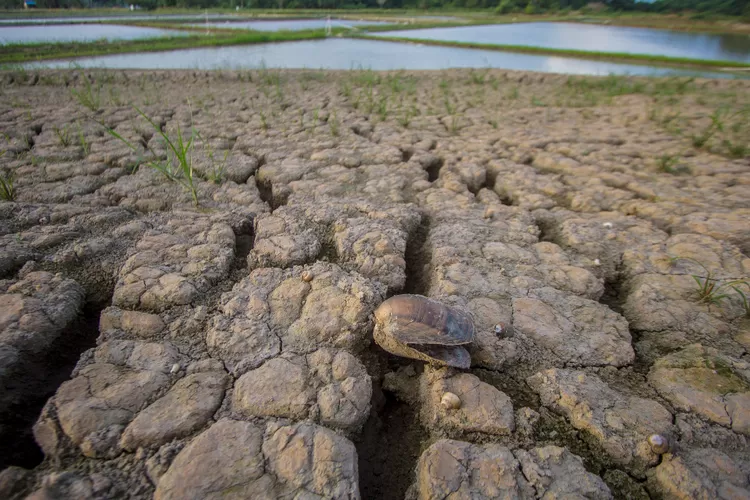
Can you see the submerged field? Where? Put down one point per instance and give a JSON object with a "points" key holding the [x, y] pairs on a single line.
{"points": [[719, 44], [191, 261]]}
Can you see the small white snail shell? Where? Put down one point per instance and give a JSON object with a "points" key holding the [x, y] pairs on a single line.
{"points": [[175, 368], [450, 401], [659, 444], [307, 276], [597, 262], [608, 225]]}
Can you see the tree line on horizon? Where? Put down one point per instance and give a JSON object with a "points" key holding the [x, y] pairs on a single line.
{"points": [[699, 8]]}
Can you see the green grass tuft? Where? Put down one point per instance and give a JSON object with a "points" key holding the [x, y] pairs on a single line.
{"points": [[63, 135], [711, 290], [90, 95], [178, 167], [7, 191]]}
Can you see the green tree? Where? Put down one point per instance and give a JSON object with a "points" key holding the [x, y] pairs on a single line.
{"points": [[505, 7]]}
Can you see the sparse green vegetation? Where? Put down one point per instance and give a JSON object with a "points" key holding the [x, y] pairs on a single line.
{"points": [[455, 124], [535, 101], [477, 77], [63, 135], [90, 96], [178, 166], [333, 125], [670, 165], [314, 127], [7, 190], [382, 107], [404, 119], [450, 107], [742, 295], [216, 172], [736, 150], [726, 132], [346, 89], [711, 290], [85, 146], [612, 85]]}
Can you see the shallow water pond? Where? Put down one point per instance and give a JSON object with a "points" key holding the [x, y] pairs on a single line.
{"points": [[134, 17], [287, 24], [595, 37], [79, 33], [345, 53]]}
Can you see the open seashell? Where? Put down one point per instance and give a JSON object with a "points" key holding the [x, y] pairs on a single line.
{"points": [[416, 327]]}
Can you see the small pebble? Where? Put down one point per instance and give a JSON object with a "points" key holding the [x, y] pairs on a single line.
{"points": [[608, 225], [450, 401], [597, 262]]}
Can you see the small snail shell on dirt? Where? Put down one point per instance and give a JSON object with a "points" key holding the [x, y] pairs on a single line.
{"points": [[450, 401], [175, 368], [307, 276], [659, 444], [502, 330], [416, 327]]}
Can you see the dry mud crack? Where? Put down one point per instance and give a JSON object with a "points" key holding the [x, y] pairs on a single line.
{"points": [[225, 350]]}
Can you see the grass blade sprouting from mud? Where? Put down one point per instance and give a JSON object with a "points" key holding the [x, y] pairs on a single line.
{"points": [[90, 96], [179, 155], [7, 191], [181, 152]]}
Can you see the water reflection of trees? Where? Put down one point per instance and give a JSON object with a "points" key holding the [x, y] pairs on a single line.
{"points": [[738, 45]]}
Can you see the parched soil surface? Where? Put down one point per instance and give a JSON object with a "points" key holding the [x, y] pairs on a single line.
{"points": [[597, 230]]}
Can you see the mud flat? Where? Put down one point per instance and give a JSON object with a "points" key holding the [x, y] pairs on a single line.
{"points": [[597, 229]]}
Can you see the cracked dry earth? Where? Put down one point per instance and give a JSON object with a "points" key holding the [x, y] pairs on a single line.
{"points": [[151, 348]]}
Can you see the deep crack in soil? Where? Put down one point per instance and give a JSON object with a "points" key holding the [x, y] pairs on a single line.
{"points": [[417, 257], [388, 450], [41, 379]]}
